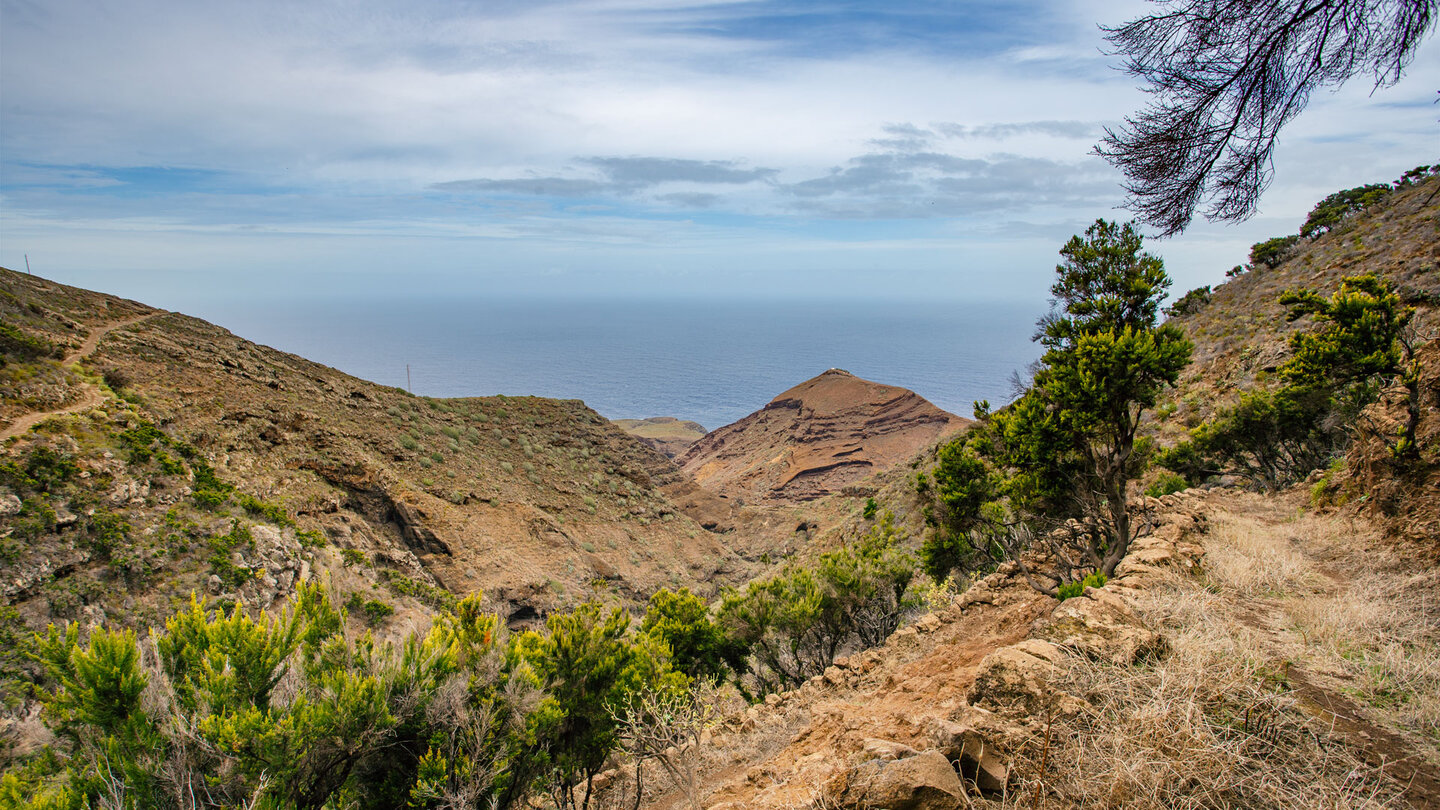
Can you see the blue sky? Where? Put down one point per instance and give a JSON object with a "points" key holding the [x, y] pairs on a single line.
{"points": [[179, 152]]}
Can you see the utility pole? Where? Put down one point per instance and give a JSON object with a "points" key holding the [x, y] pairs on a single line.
{"points": [[27, 265], [407, 380]]}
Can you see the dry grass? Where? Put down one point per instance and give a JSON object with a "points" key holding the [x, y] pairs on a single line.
{"points": [[1209, 726], [1245, 557], [1356, 607], [1380, 625]]}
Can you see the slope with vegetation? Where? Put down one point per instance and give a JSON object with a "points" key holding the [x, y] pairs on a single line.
{"points": [[1070, 642]]}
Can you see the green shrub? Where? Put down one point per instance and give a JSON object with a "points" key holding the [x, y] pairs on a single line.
{"points": [[871, 508], [222, 547], [1167, 483], [273, 512], [795, 622], [23, 346], [1330, 211], [43, 470], [1072, 589], [353, 557], [35, 519], [1272, 251], [698, 646], [1189, 303], [207, 489], [374, 611]]}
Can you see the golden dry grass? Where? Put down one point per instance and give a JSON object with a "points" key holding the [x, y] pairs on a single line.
{"points": [[1211, 725]]}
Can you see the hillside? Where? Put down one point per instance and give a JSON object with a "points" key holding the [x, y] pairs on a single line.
{"points": [[825, 434], [1240, 333], [530, 500], [1265, 651]]}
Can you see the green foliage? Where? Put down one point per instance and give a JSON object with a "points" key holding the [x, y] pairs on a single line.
{"points": [[273, 512], [1073, 589], [43, 470], [24, 346], [207, 489], [1272, 251], [1189, 303], [107, 533], [1330, 211], [589, 668], [871, 508], [699, 647], [374, 610], [1357, 344], [1070, 439], [963, 500], [36, 519], [796, 622], [440, 718], [1167, 483], [222, 547], [1334, 371], [437, 598], [353, 557]]}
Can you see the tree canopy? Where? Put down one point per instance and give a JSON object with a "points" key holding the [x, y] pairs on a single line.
{"points": [[1226, 77]]}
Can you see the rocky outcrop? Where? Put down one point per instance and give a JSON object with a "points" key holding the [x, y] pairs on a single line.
{"points": [[919, 782], [822, 435]]}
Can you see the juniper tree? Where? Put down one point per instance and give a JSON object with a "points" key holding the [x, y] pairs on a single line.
{"points": [[1070, 441]]}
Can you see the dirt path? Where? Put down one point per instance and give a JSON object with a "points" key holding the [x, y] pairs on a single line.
{"points": [[91, 396], [1320, 689]]}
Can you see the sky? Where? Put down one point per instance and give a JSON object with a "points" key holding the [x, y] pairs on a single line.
{"points": [[183, 152]]}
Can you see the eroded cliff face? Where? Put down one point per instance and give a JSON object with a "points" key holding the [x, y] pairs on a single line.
{"points": [[817, 438]]}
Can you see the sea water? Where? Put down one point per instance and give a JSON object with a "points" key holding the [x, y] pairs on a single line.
{"points": [[709, 361]]}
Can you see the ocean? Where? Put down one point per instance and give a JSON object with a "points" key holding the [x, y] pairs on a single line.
{"points": [[709, 361]]}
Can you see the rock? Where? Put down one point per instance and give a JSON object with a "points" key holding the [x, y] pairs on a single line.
{"points": [[1014, 681], [886, 749], [928, 623], [925, 781], [1100, 626], [213, 584], [266, 538], [9, 505]]}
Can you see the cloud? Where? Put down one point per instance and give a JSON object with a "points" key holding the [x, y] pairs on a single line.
{"points": [[623, 177], [650, 171], [697, 200], [1058, 129], [539, 186]]}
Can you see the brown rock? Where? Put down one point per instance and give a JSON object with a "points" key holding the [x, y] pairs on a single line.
{"points": [[925, 781], [1099, 625]]}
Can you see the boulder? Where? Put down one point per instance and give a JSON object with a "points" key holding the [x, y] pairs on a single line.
{"points": [[1100, 626], [925, 781], [1015, 681], [886, 749]]}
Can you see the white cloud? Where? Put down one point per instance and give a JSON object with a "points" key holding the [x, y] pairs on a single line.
{"points": [[599, 122]]}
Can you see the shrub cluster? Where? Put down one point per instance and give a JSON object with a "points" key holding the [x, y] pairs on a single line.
{"points": [[1274, 438], [795, 623], [294, 710]]}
